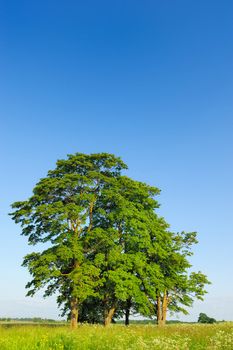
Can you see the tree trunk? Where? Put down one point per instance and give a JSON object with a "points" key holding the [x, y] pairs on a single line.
{"points": [[158, 311], [127, 317], [74, 313], [108, 316], [162, 309], [127, 311]]}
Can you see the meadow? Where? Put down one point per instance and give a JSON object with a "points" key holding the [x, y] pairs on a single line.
{"points": [[117, 337]]}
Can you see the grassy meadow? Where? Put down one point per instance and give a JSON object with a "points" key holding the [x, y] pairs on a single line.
{"points": [[117, 337]]}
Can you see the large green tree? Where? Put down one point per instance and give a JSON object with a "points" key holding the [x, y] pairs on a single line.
{"points": [[123, 220], [60, 213]]}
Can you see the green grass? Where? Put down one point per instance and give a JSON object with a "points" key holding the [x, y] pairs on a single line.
{"points": [[118, 337]]}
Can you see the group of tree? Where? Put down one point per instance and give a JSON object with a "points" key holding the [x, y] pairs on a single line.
{"points": [[203, 318], [107, 252]]}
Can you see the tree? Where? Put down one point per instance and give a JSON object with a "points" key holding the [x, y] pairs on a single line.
{"points": [[60, 213], [122, 233], [180, 287], [203, 318], [166, 280]]}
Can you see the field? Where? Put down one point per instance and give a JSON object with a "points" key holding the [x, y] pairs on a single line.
{"points": [[117, 337]]}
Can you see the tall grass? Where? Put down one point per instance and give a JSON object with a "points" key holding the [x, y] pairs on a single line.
{"points": [[118, 337]]}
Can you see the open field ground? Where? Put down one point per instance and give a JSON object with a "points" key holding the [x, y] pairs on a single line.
{"points": [[117, 337]]}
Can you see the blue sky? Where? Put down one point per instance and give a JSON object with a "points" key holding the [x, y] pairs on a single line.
{"points": [[150, 81]]}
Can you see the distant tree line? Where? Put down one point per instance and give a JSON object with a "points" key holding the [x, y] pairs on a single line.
{"points": [[108, 253], [29, 319]]}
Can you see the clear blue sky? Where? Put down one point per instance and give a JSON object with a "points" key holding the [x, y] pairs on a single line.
{"points": [[150, 81]]}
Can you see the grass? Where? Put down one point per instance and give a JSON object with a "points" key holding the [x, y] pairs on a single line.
{"points": [[118, 337]]}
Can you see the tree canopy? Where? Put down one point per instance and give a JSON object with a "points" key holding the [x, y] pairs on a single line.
{"points": [[107, 251]]}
